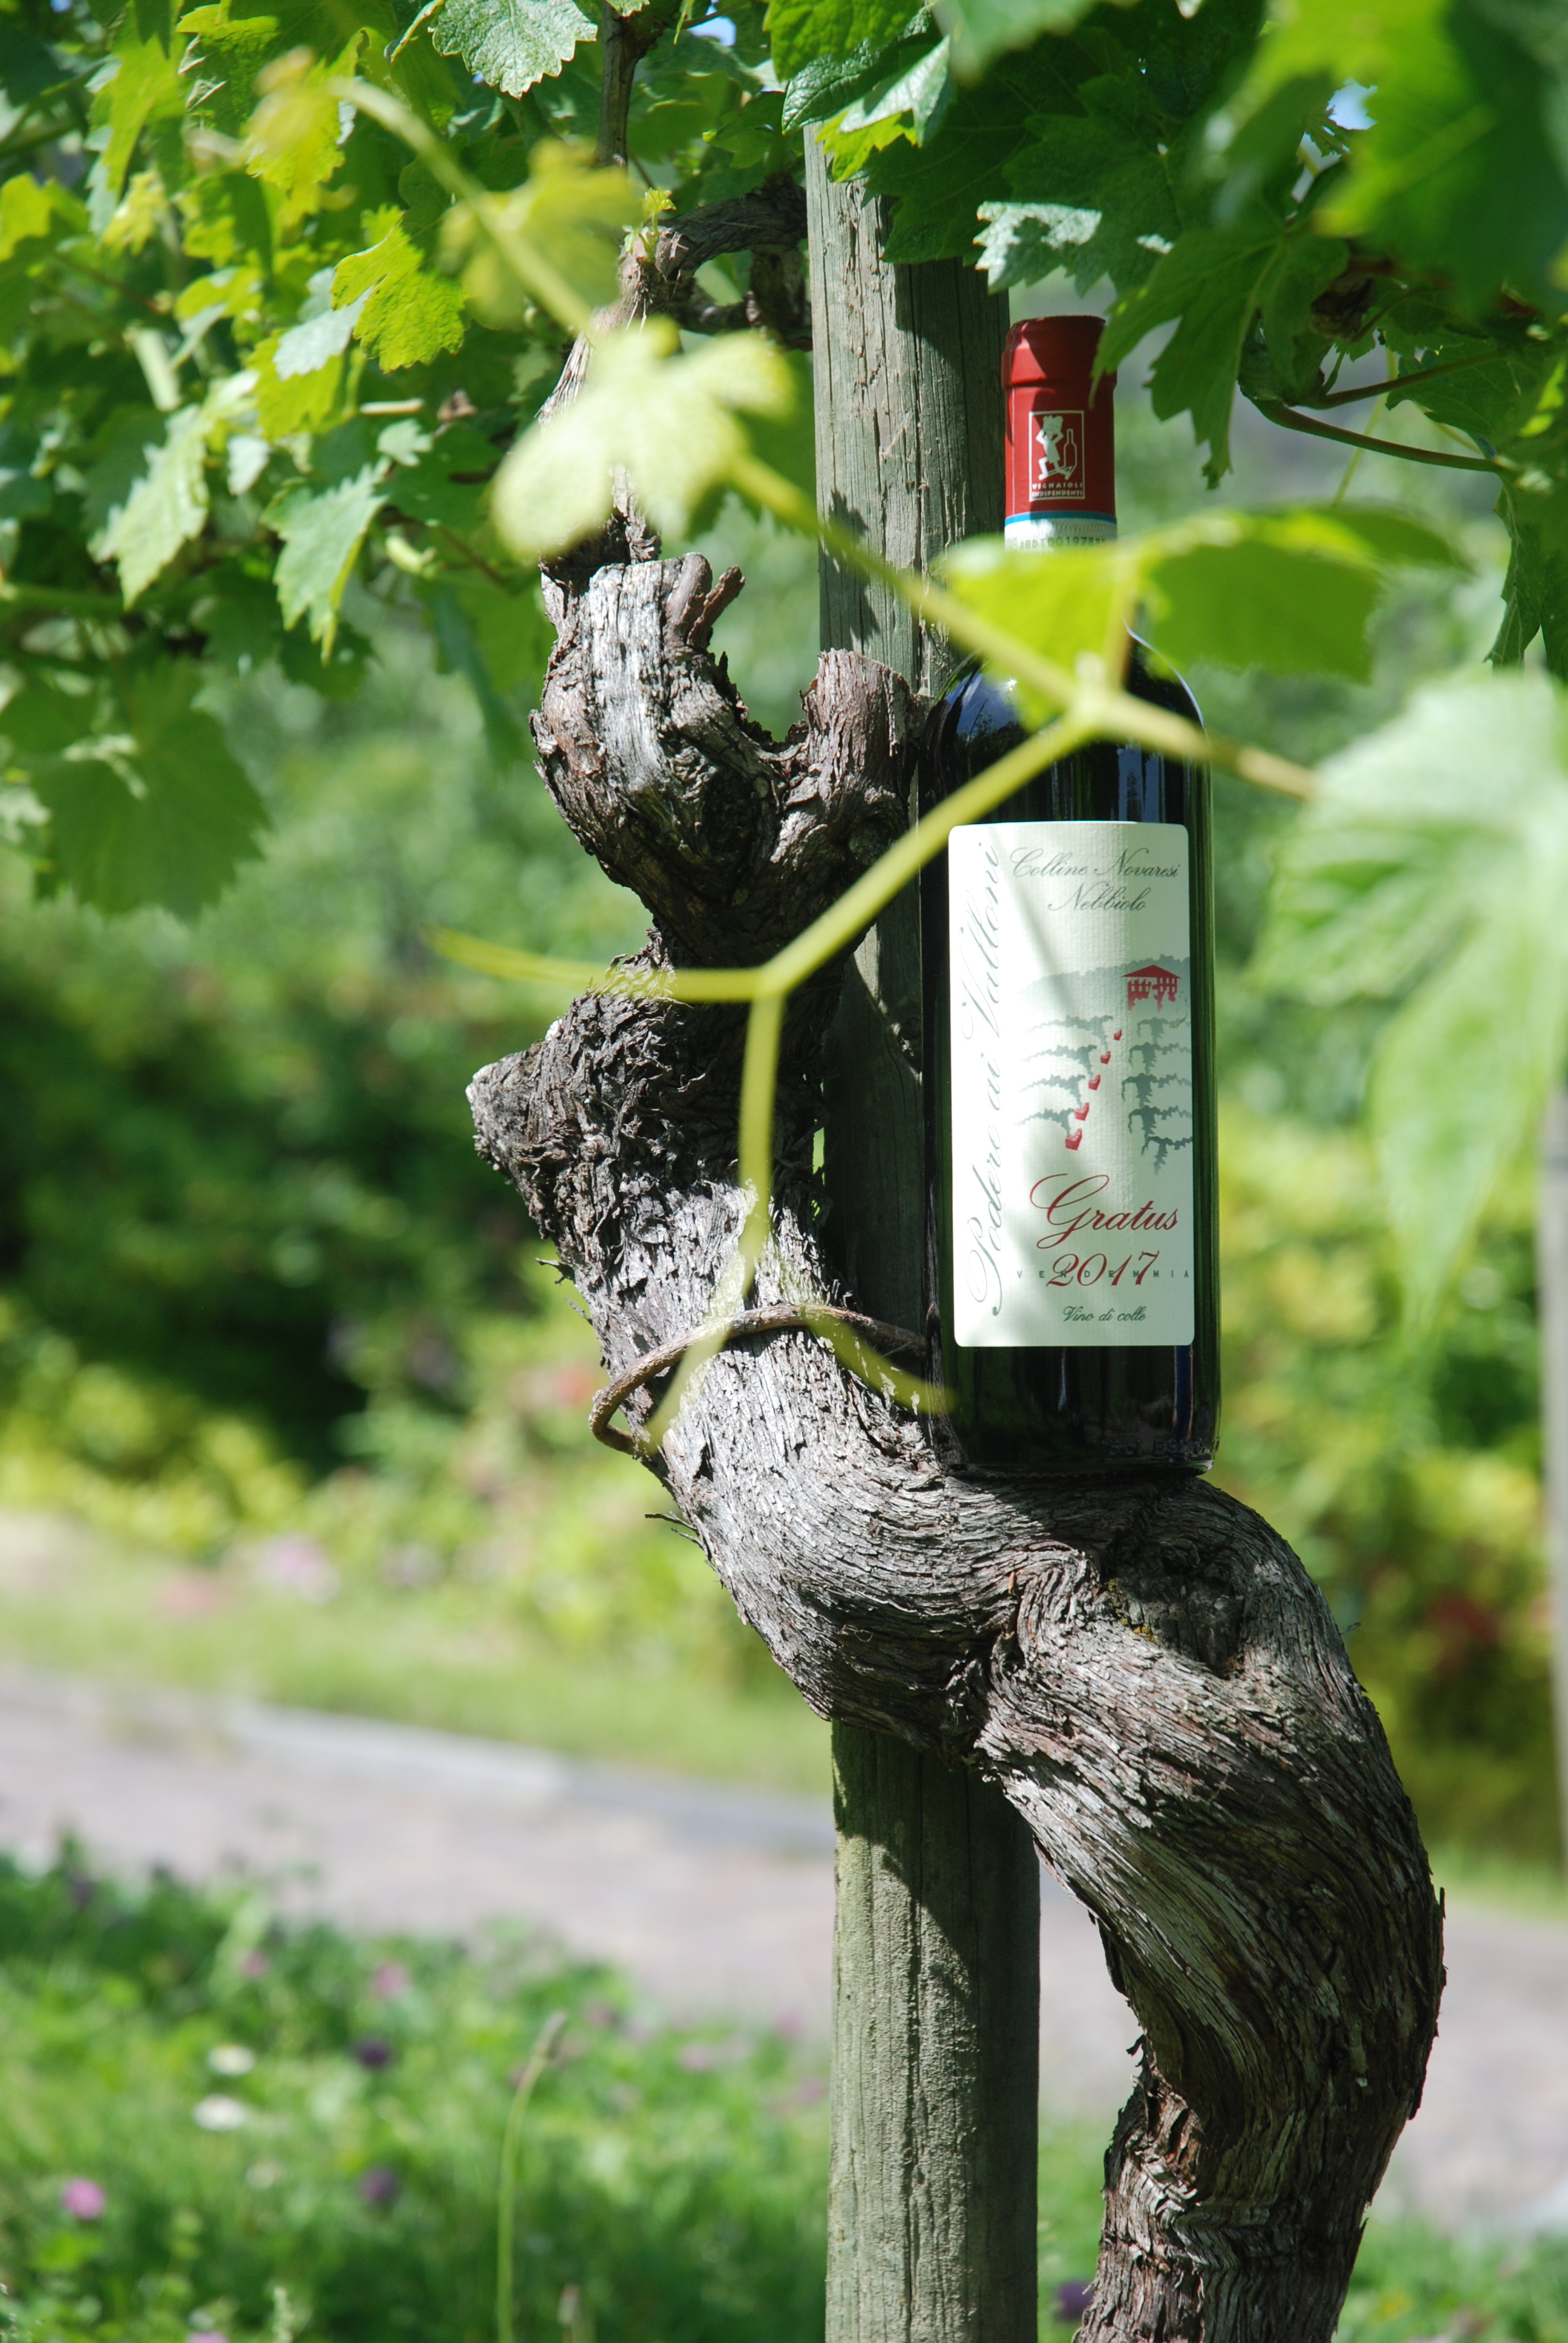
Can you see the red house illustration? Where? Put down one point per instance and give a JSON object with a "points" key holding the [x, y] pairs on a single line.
{"points": [[1157, 983]]}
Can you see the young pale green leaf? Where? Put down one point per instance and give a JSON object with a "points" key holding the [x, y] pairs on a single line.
{"points": [[1256, 604], [322, 531], [1291, 591], [29, 210], [908, 102], [1078, 604], [1441, 844], [511, 43], [406, 314], [165, 504], [299, 400], [314, 342], [293, 140], [169, 824], [143, 85], [668, 421], [571, 213]]}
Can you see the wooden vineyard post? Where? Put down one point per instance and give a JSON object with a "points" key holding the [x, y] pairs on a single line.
{"points": [[933, 2194]]}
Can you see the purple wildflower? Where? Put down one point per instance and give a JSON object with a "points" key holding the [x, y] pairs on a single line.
{"points": [[84, 2199]]}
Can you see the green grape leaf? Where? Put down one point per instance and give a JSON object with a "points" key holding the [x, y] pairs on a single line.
{"points": [[1212, 284], [910, 102], [313, 342], [287, 404], [1093, 201], [826, 84], [807, 33], [1290, 591], [511, 43], [166, 821], [1254, 604], [143, 85], [31, 209], [405, 314], [1536, 590], [292, 145], [166, 507], [450, 482], [1463, 170], [168, 504], [1405, 864], [982, 29], [27, 68], [322, 532], [940, 186], [668, 421]]}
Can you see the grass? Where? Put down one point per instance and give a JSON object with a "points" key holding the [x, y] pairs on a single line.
{"points": [[214, 2125], [288, 2128]]}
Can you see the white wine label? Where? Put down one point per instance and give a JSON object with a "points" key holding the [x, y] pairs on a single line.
{"points": [[1071, 973]]}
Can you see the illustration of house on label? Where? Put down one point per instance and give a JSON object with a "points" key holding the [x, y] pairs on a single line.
{"points": [[1151, 983]]}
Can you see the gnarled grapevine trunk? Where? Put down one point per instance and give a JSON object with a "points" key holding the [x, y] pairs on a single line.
{"points": [[1143, 1665]]}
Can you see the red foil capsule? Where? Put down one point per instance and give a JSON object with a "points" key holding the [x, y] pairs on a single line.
{"points": [[1061, 434]]}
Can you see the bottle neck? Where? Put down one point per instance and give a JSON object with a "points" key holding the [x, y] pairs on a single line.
{"points": [[1061, 462]]}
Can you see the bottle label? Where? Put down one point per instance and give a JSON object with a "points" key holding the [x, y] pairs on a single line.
{"points": [[1072, 974]]}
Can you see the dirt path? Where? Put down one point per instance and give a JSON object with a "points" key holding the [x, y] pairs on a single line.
{"points": [[713, 1900]]}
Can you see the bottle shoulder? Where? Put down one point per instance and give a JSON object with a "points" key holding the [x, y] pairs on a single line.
{"points": [[977, 720]]}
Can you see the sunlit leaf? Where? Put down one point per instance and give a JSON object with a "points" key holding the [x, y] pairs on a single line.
{"points": [[668, 421], [166, 507], [805, 31], [1438, 853], [573, 213], [29, 209], [404, 314], [1463, 166], [1213, 283], [293, 138], [511, 43], [1290, 591], [322, 531], [140, 85]]}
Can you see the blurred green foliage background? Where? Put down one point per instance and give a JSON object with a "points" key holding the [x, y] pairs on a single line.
{"points": [[279, 1346]]}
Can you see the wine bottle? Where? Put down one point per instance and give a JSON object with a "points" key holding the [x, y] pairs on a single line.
{"points": [[1069, 1004]]}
